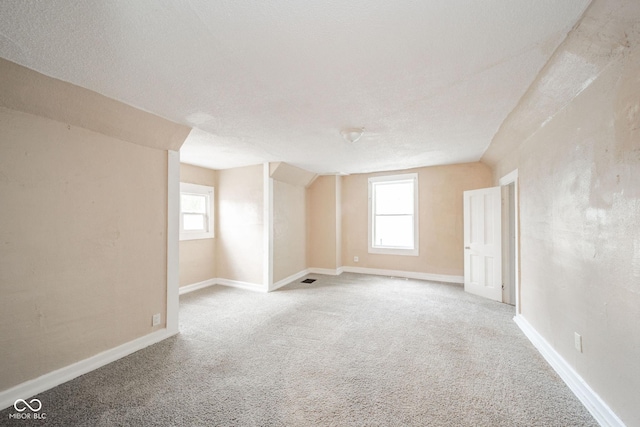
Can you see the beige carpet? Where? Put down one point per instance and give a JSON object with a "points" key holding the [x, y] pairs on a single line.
{"points": [[353, 350]]}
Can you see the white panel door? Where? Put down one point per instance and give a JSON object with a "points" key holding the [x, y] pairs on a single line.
{"points": [[483, 243]]}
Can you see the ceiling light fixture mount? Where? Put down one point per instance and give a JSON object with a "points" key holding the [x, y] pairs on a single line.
{"points": [[352, 134]]}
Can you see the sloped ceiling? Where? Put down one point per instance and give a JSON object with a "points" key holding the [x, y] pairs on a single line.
{"points": [[429, 81]]}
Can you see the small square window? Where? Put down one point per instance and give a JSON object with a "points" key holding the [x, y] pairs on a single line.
{"points": [[196, 211]]}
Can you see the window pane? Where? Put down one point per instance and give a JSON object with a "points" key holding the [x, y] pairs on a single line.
{"points": [[193, 222], [193, 203], [394, 198], [393, 231]]}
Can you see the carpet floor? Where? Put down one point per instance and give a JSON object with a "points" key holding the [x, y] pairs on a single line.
{"points": [[353, 350]]}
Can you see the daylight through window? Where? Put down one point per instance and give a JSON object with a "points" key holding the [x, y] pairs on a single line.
{"points": [[196, 211], [393, 213]]}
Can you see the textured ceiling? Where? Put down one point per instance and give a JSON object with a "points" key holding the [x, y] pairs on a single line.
{"points": [[430, 81]]}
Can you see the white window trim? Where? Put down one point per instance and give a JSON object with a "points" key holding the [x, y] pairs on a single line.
{"points": [[202, 190], [416, 232]]}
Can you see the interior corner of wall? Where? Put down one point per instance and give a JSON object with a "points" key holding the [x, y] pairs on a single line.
{"points": [[177, 140], [312, 180], [272, 167]]}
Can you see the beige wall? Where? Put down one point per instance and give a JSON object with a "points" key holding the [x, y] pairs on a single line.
{"points": [[580, 206], [322, 223], [338, 202], [289, 230], [83, 241], [239, 245], [441, 219], [26, 90], [197, 257], [284, 172]]}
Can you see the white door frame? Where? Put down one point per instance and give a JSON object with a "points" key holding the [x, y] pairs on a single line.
{"points": [[173, 230], [512, 177]]}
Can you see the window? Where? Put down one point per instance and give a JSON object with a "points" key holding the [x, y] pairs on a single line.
{"points": [[196, 211], [393, 214]]}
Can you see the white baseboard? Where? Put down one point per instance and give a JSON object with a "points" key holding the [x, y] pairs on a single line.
{"points": [[287, 280], [241, 285], [326, 271], [406, 274], [195, 286], [45, 382], [589, 398], [224, 282]]}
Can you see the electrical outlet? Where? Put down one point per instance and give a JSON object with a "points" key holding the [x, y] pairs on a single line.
{"points": [[578, 341], [356, 259], [155, 320]]}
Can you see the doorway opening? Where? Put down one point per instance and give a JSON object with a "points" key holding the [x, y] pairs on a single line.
{"points": [[491, 241], [510, 240]]}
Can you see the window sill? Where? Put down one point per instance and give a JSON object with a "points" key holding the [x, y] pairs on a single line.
{"points": [[394, 251], [196, 236]]}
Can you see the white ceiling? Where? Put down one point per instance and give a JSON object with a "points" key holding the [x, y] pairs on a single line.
{"points": [[431, 81]]}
